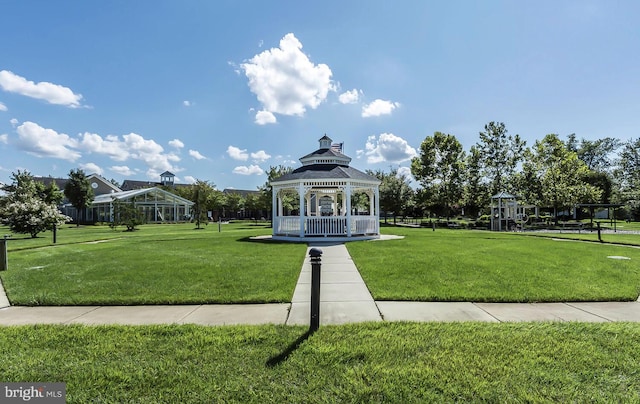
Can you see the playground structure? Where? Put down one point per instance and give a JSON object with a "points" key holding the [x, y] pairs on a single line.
{"points": [[507, 214]]}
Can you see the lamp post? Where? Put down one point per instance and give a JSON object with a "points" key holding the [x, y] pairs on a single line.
{"points": [[315, 254], [4, 257]]}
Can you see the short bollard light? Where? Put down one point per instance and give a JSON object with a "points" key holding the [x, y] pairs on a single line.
{"points": [[4, 257], [315, 254]]}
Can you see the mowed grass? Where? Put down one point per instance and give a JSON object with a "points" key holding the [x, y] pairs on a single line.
{"points": [[608, 238], [364, 363], [158, 264], [481, 266]]}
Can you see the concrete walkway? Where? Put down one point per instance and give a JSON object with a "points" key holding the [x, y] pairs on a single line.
{"points": [[344, 298]]}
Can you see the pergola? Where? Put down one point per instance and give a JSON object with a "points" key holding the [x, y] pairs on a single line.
{"points": [[323, 188]]}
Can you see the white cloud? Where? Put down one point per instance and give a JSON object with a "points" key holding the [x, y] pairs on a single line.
{"points": [[3, 107], [14, 122], [4, 138], [131, 146], [122, 170], [237, 154], [189, 179], [405, 171], [285, 81], [187, 103], [151, 153], [349, 97], [196, 155], [251, 170], [52, 93], [91, 168], [41, 142], [265, 117], [388, 147], [176, 143], [379, 107], [112, 146], [260, 156]]}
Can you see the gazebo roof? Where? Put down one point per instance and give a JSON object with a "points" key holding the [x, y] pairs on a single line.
{"points": [[324, 153], [324, 172], [503, 195], [326, 163]]}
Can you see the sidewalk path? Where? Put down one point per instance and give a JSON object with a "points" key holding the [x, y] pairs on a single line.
{"points": [[344, 297]]}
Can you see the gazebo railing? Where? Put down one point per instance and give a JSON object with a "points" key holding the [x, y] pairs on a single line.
{"points": [[325, 225], [289, 225], [364, 225], [328, 225]]}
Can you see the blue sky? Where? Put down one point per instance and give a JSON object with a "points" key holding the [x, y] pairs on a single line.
{"points": [[222, 90]]}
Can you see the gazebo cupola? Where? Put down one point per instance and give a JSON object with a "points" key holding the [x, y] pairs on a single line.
{"points": [[315, 200]]}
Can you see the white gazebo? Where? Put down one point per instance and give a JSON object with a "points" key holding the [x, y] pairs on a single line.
{"points": [[323, 189]]}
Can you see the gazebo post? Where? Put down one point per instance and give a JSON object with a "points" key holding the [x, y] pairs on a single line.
{"points": [[348, 207], [301, 208]]}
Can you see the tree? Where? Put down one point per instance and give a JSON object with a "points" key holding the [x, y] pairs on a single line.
{"points": [[499, 155], [233, 203], [252, 205], [561, 174], [24, 210], [266, 191], [78, 192], [201, 196], [596, 154], [440, 169], [50, 193], [476, 193], [126, 213], [396, 195], [628, 175]]}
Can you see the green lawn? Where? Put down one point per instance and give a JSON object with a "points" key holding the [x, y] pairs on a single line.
{"points": [[175, 264], [609, 238], [158, 264], [363, 363], [461, 265]]}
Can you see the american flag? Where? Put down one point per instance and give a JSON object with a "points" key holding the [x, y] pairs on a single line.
{"points": [[337, 147]]}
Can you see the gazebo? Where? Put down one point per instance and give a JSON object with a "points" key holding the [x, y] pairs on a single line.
{"points": [[323, 189]]}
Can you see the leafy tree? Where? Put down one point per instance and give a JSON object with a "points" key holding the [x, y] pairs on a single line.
{"points": [[50, 193], [126, 213], [596, 154], [396, 195], [24, 210], [266, 190], [252, 205], [476, 193], [561, 174], [359, 201], [233, 203], [217, 201], [499, 156], [527, 182], [440, 169], [201, 196], [78, 192], [628, 175]]}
